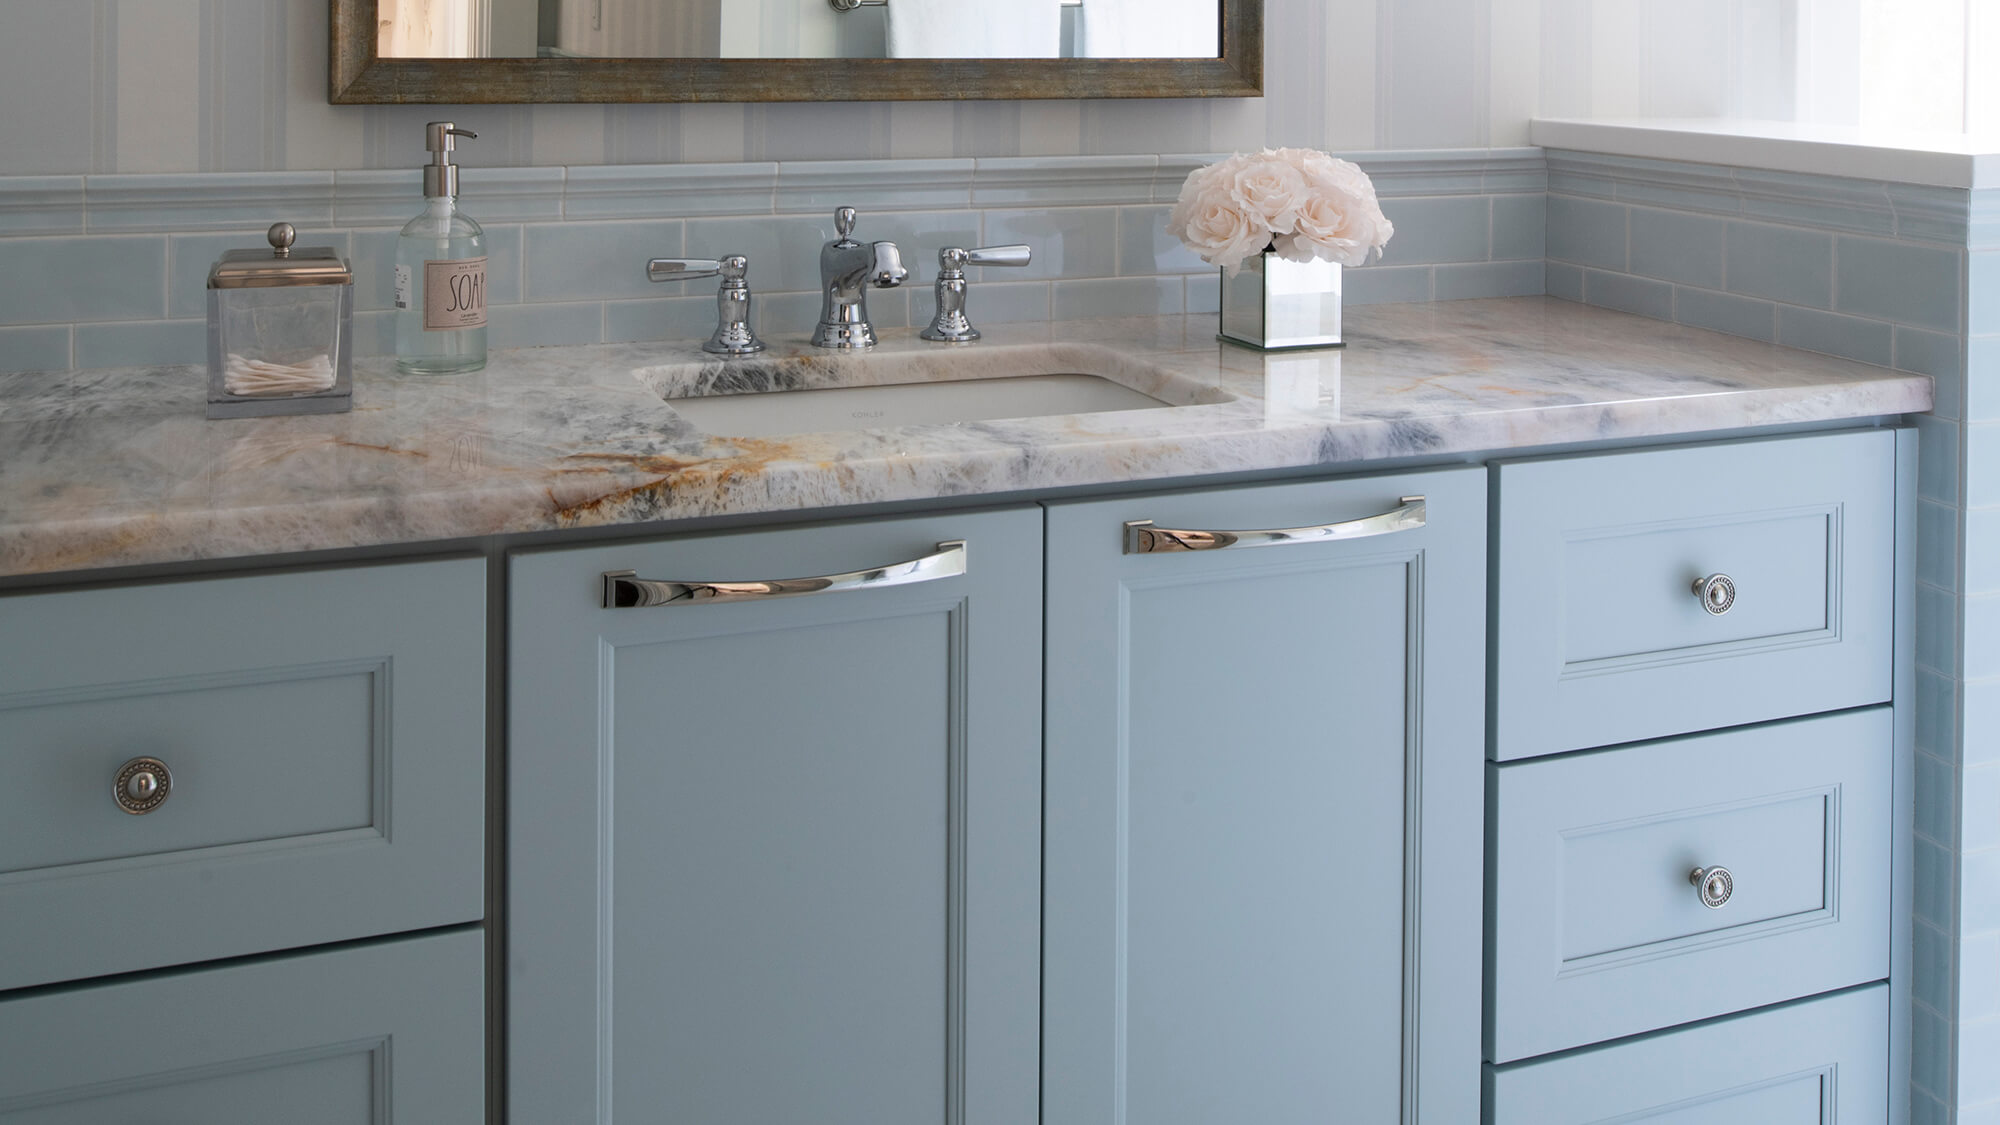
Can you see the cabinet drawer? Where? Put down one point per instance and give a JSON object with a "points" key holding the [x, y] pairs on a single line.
{"points": [[1597, 931], [323, 734], [1600, 636], [311, 1039], [1813, 1063]]}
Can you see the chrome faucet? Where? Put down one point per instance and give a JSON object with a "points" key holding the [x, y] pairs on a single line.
{"points": [[846, 270], [732, 301]]}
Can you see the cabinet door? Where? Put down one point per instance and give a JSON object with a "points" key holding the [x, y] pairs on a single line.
{"points": [[391, 1031], [1263, 845], [777, 860]]}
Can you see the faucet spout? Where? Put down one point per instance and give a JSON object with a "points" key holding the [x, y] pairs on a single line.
{"points": [[847, 270]]}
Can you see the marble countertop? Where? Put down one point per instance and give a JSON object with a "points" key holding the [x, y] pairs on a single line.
{"points": [[120, 467]]}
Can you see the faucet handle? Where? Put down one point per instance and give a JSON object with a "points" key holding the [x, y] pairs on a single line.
{"points": [[682, 269], [732, 301], [950, 325], [953, 257], [843, 220], [733, 335]]}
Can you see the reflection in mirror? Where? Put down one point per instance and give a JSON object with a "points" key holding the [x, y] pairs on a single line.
{"points": [[798, 29]]}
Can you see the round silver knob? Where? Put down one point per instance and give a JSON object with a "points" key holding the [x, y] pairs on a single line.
{"points": [[143, 784], [1716, 884], [1717, 593]]}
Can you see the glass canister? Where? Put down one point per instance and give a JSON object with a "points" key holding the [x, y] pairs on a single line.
{"points": [[280, 330]]}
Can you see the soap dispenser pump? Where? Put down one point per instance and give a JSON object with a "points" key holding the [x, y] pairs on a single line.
{"points": [[441, 272]]}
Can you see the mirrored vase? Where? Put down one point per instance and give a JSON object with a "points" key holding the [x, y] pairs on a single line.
{"points": [[1273, 304]]}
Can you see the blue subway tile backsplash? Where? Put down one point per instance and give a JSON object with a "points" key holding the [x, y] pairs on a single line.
{"points": [[1780, 263], [1629, 294], [1520, 227], [51, 280], [1867, 341], [1454, 228], [42, 347], [1474, 223], [1587, 232], [141, 343], [1898, 281], [1721, 312], [1675, 246]]}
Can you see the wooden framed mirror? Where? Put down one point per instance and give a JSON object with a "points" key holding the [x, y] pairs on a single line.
{"points": [[360, 74]]}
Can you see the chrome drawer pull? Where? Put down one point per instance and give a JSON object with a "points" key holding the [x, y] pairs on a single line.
{"points": [[1716, 884], [624, 591], [143, 785], [1717, 593], [1142, 538]]}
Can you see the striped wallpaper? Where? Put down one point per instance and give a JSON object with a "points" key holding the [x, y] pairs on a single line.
{"points": [[97, 86]]}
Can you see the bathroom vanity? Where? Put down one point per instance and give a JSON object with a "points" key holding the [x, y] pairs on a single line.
{"points": [[1505, 718]]}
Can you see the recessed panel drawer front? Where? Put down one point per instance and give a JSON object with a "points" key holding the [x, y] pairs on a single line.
{"points": [[314, 747], [1657, 593], [1600, 927], [312, 1039], [1819, 1062]]}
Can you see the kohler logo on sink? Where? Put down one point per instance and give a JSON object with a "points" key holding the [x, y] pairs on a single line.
{"points": [[866, 413]]}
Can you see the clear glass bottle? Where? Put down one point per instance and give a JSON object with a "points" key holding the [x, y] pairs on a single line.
{"points": [[441, 273]]}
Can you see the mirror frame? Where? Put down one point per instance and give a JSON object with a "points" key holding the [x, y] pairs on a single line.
{"points": [[356, 76]]}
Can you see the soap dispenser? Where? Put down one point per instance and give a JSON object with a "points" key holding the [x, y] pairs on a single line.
{"points": [[441, 273]]}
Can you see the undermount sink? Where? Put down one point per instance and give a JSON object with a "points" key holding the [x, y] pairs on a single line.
{"points": [[808, 394]]}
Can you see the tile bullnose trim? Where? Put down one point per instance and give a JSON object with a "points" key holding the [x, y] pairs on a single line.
{"points": [[1477, 171], [1934, 214], [41, 205], [390, 196], [1630, 179], [1455, 171], [877, 185], [670, 191], [162, 204], [1014, 180]]}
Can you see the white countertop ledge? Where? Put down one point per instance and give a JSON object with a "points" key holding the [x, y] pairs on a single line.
{"points": [[1951, 160], [121, 468]]}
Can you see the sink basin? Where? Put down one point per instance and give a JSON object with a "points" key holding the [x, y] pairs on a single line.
{"points": [[909, 404], [808, 394]]}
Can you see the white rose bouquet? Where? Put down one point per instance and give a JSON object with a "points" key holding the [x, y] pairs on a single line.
{"points": [[1299, 202]]}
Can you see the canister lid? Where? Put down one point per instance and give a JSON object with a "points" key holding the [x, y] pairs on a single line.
{"points": [[282, 264]]}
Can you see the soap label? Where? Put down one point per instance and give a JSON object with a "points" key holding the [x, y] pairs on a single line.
{"points": [[405, 287], [454, 294]]}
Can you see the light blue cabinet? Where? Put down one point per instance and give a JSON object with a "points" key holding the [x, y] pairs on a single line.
{"points": [[1600, 635], [1756, 599], [321, 745], [1813, 1063], [316, 754], [1262, 895], [1598, 931], [356, 1035], [778, 859]]}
